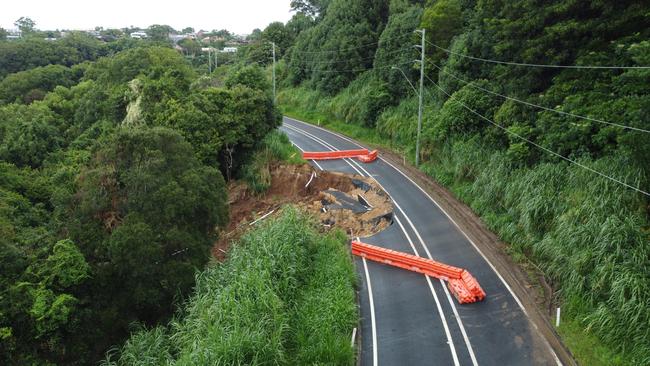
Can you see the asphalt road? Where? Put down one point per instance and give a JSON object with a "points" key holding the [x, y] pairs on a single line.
{"points": [[411, 319]]}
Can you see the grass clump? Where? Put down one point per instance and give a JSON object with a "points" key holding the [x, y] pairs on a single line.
{"points": [[284, 296], [275, 147]]}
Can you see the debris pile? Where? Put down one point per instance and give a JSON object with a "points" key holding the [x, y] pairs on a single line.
{"points": [[352, 203]]}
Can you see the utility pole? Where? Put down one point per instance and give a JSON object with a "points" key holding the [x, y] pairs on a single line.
{"points": [[209, 61], [417, 140], [273, 44], [216, 58]]}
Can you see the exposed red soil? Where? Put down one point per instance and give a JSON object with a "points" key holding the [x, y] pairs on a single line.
{"points": [[288, 184]]}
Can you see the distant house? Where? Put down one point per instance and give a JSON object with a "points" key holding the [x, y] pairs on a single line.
{"points": [[138, 35], [229, 49], [213, 39], [179, 37], [14, 34]]}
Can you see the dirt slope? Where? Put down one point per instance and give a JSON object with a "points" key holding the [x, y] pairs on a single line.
{"points": [[349, 202]]}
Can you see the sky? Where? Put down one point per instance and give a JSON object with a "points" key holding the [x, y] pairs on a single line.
{"points": [[238, 16]]}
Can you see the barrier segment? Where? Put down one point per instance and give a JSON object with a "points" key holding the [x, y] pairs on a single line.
{"points": [[362, 154], [461, 283]]}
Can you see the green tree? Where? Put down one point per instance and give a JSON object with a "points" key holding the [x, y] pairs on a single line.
{"points": [[277, 33], [341, 46], [20, 86], [311, 8], [145, 216], [395, 48], [159, 33], [25, 25], [251, 76], [442, 22], [28, 134]]}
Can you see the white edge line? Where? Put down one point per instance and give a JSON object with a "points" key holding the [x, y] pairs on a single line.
{"points": [[372, 314], [444, 212], [435, 296], [468, 344], [301, 149], [521, 306]]}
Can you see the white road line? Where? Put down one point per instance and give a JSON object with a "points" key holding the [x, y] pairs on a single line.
{"points": [[468, 344], [441, 209], [435, 297], [433, 292], [512, 293], [301, 149], [298, 130], [372, 315]]}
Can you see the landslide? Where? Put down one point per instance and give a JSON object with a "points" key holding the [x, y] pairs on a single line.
{"points": [[352, 203]]}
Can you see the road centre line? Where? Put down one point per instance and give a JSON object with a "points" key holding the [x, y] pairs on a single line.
{"points": [[439, 207], [512, 293], [435, 296]]}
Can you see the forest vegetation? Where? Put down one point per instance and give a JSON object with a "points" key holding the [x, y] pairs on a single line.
{"points": [[108, 145], [488, 128], [112, 189]]}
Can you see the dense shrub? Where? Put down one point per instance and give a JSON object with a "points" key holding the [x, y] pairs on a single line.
{"points": [[284, 296]]}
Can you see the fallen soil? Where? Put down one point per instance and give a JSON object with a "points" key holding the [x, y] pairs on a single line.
{"points": [[352, 203], [525, 279]]}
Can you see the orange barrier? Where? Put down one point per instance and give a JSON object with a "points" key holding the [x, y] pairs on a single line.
{"points": [[460, 282], [362, 154]]}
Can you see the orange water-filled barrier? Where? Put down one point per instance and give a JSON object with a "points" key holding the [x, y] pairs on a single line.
{"points": [[362, 154], [460, 282]]}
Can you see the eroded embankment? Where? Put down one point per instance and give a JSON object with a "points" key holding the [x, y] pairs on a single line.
{"points": [[352, 203]]}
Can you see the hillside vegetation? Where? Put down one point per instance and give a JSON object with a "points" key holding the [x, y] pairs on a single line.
{"points": [[499, 135], [112, 189], [284, 296]]}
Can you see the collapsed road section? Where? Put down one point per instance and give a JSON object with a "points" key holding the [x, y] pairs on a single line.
{"points": [[355, 204]]}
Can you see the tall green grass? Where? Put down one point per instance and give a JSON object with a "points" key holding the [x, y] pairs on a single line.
{"points": [[275, 147], [309, 105], [590, 236], [284, 296]]}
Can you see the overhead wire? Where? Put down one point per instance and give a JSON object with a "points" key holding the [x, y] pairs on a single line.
{"points": [[537, 145], [536, 105], [531, 64]]}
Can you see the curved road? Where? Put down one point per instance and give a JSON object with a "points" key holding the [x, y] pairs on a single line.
{"points": [[411, 319]]}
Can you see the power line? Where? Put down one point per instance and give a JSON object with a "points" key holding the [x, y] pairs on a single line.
{"points": [[351, 48], [535, 65], [537, 145], [536, 105]]}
